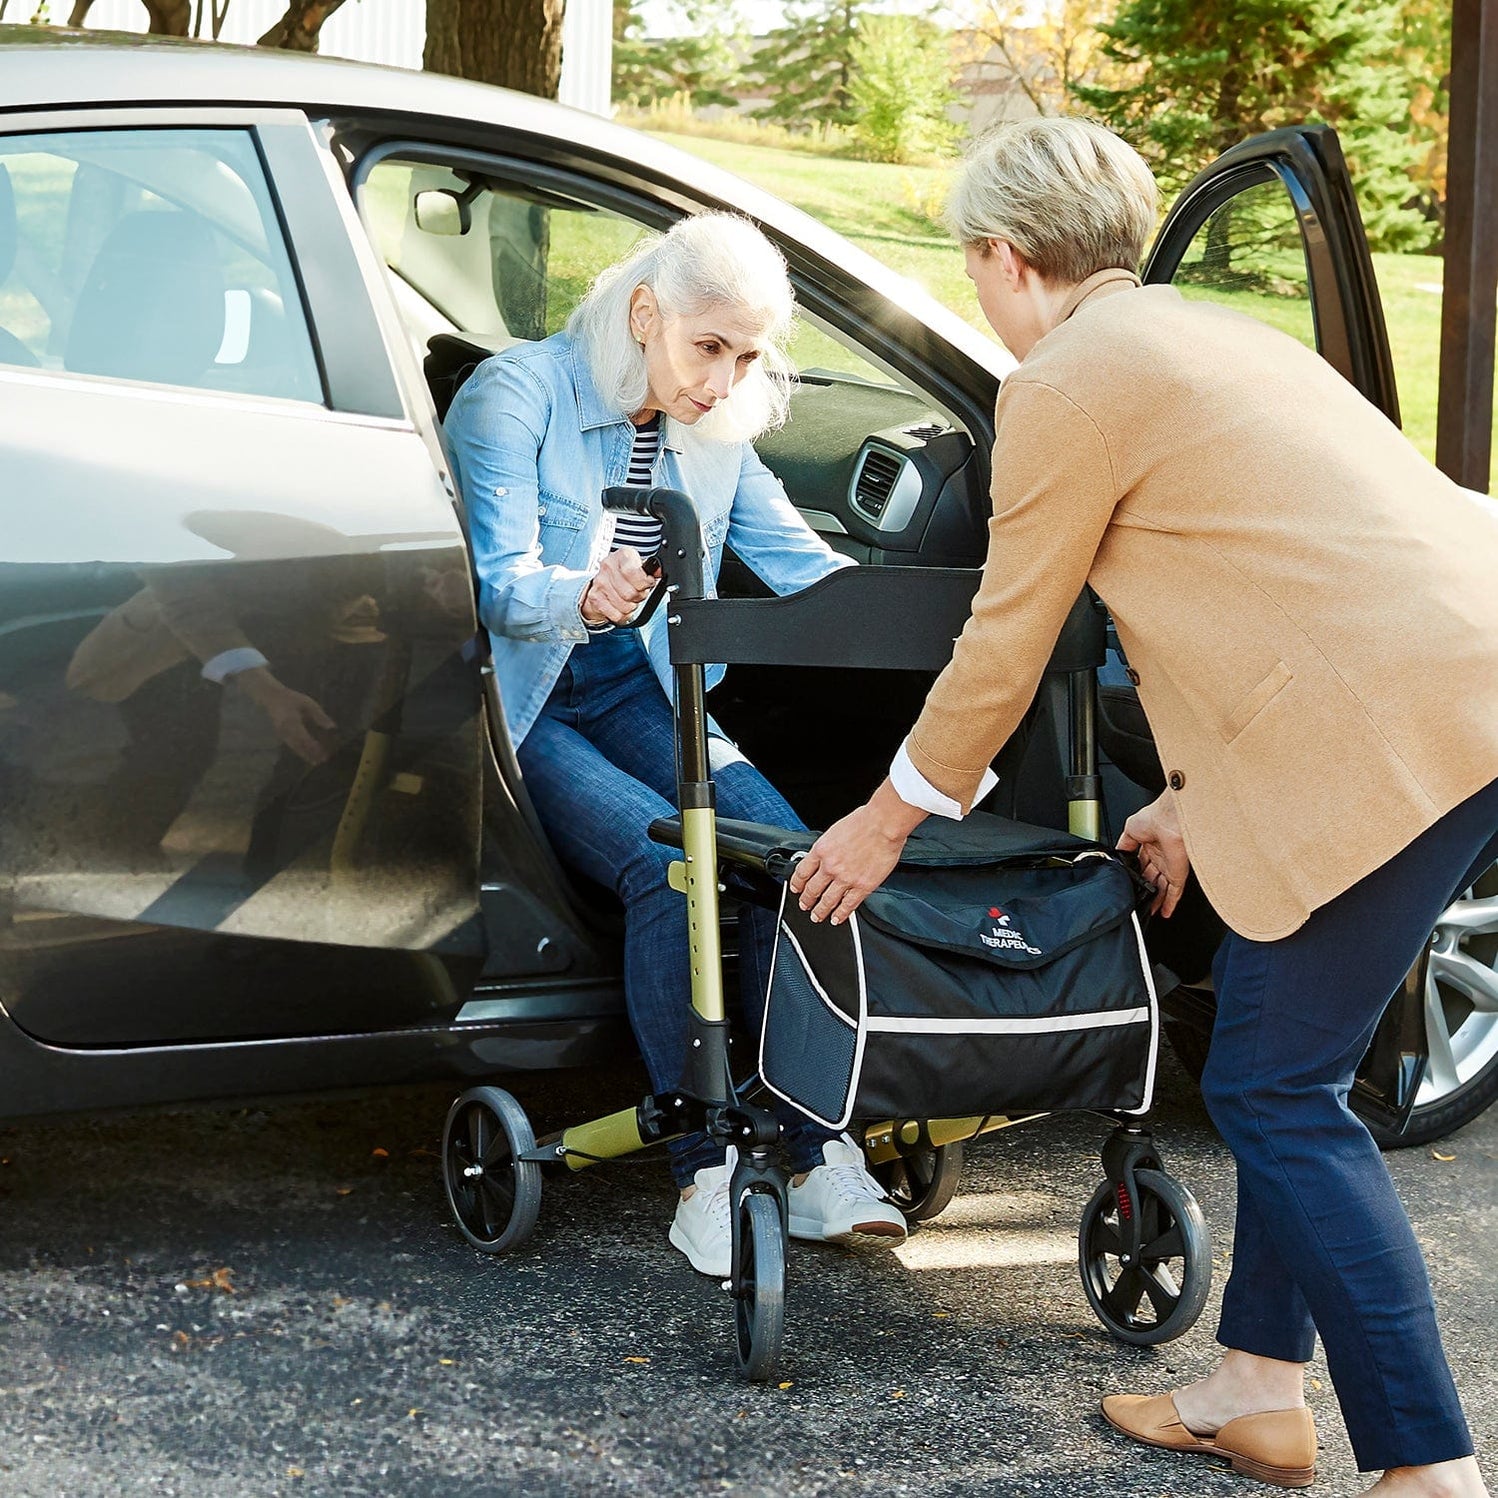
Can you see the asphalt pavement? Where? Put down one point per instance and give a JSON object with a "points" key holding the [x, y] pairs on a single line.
{"points": [[271, 1301]]}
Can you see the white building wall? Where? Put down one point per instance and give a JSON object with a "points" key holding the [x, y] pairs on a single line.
{"points": [[387, 31]]}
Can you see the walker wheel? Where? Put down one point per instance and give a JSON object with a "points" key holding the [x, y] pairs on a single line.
{"points": [[1161, 1296], [922, 1183], [494, 1195], [759, 1286]]}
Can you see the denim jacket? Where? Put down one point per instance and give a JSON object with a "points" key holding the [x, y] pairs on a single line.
{"points": [[534, 446]]}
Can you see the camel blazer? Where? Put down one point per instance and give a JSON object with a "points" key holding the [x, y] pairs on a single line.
{"points": [[1309, 608]]}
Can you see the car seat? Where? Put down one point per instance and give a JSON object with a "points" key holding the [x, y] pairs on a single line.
{"points": [[452, 357], [152, 306], [12, 350]]}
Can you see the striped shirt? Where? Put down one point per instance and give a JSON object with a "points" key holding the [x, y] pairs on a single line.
{"points": [[643, 532]]}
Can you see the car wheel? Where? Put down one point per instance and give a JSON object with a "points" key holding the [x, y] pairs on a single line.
{"points": [[1461, 1019]]}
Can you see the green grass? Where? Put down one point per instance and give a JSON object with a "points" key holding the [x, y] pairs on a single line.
{"points": [[892, 212]]}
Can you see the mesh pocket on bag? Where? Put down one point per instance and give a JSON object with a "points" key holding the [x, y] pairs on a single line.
{"points": [[808, 1049]]}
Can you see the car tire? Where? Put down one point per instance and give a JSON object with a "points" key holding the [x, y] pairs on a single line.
{"points": [[1461, 1080]]}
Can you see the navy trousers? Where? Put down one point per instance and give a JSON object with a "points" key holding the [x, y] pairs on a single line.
{"points": [[1322, 1244]]}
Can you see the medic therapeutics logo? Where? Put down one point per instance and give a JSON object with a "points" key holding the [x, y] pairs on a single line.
{"points": [[1004, 936]]}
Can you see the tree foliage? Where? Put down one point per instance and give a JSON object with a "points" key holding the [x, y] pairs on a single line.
{"points": [[1044, 52], [700, 62], [806, 64], [1425, 55], [901, 87], [1201, 75]]}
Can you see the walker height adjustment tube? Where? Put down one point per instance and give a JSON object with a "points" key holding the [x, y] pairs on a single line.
{"points": [[757, 1185]]}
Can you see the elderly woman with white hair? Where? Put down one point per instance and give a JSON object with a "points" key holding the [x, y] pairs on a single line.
{"points": [[668, 368], [1308, 611]]}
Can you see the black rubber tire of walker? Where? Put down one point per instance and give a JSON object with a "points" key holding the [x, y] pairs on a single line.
{"points": [[922, 1183], [759, 1287], [496, 1209], [1177, 1231]]}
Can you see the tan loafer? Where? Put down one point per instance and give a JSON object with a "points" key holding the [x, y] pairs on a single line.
{"points": [[1278, 1446]]}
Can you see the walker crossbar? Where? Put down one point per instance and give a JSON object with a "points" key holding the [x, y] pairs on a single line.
{"points": [[884, 618]]}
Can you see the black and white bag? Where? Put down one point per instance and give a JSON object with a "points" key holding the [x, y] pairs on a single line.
{"points": [[1000, 969]]}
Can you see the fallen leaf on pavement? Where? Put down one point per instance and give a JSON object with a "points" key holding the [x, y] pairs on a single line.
{"points": [[218, 1279], [637, 1360], [380, 1154], [1437, 1155]]}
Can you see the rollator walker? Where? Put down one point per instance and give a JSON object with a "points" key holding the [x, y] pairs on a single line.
{"points": [[1144, 1251]]}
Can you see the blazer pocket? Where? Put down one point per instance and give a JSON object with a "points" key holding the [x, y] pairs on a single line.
{"points": [[1256, 700]]}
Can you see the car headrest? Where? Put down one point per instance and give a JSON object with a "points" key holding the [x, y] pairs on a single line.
{"points": [[7, 224], [152, 307]]}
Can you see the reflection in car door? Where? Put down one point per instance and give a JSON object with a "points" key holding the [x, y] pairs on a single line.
{"points": [[238, 705]]}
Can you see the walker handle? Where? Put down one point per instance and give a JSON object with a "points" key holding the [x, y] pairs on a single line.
{"points": [[681, 556]]}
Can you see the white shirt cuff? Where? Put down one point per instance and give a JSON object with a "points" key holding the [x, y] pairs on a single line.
{"points": [[915, 790], [229, 663]]}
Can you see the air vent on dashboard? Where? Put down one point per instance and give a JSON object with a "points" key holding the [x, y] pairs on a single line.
{"points": [[876, 481], [885, 489]]}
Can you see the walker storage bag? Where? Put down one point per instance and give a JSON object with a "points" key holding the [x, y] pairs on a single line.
{"points": [[999, 970]]}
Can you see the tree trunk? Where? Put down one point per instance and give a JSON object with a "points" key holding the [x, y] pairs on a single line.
{"points": [[514, 43], [168, 17], [298, 29], [79, 14]]}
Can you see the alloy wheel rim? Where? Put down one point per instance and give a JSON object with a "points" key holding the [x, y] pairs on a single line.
{"points": [[1461, 994]]}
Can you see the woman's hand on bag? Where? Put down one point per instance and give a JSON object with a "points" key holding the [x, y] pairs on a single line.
{"points": [[618, 588], [1155, 830], [854, 856]]}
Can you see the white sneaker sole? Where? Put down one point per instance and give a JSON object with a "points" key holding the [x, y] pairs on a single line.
{"points": [[696, 1258], [857, 1239]]}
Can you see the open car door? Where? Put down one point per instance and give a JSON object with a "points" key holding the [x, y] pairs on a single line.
{"points": [[1272, 228]]}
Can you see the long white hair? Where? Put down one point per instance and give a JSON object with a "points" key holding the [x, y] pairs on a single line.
{"points": [[706, 261]]}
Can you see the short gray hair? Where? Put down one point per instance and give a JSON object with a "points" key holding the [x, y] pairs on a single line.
{"points": [[708, 260], [1073, 198]]}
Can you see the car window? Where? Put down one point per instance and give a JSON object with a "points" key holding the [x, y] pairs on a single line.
{"points": [[486, 257], [493, 258], [149, 255], [1249, 255]]}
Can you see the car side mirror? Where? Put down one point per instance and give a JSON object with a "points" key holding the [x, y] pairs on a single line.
{"points": [[441, 212]]}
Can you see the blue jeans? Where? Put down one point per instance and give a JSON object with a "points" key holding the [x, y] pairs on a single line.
{"points": [[600, 766], [1322, 1243]]}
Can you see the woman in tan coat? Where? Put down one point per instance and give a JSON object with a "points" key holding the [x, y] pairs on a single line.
{"points": [[1311, 615]]}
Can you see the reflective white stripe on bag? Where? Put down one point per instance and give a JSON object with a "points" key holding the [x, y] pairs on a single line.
{"points": [[899, 1025]]}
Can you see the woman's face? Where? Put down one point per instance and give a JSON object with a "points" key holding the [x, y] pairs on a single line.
{"points": [[985, 270], [691, 363]]}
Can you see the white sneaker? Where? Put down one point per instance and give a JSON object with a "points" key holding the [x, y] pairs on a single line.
{"points": [[703, 1226], [840, 1202]]}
